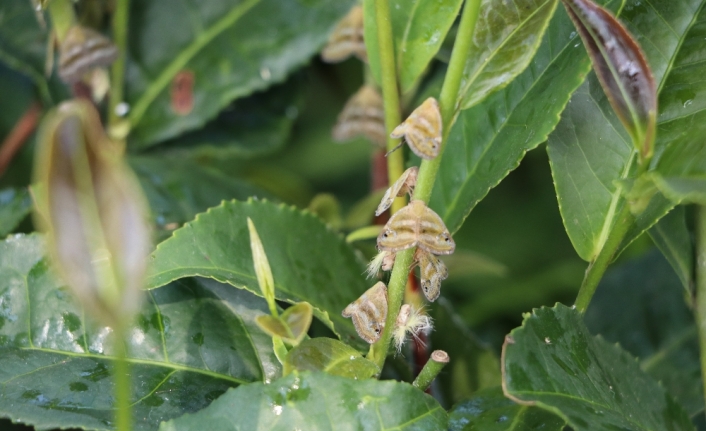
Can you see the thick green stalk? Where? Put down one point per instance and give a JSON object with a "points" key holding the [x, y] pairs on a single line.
{"points": [[598, 267], [62, 16], [701, 284], [427, 174], [117, 72], [432, 368], [121, 377], [595, 271], [390, 93], [448, 100]]}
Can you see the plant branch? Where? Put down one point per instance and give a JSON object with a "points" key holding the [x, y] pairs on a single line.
{"points": [[117, 78], [701, 284], [427, 174], [448, 99], [390, 93], [18, 135], [432, 368]]}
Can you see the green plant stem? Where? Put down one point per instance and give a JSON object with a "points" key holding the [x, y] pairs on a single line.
{"points": [[427, 174], [117, 71], [62, 16], [597, 268], [390, 93], [448, 99], [595, 271], [432, 368], [701, 284], [121, 376]]}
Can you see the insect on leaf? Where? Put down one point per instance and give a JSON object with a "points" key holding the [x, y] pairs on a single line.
{"points": [[622, 70], [404, 184], [363, 115], [416, 225], [82, 50], [346, 39], [422, 130]]}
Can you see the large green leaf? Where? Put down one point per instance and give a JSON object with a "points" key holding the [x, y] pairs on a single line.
{"points": [[506, 36], [319, 402], [640, 304], [309, 261], [232, 49], [330, 356], [671, 235], [489, 140], [192, 341], [590, 150], [554, 362], [418, 30], [178, 189], [15, 205], [473, 364], [490, 410]]}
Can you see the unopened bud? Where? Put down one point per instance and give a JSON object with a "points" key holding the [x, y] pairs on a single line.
{"points": [[93, 211], [262, 268]]}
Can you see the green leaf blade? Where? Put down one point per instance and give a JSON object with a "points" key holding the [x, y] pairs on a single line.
{"points": [[190, 343], [330, 356], [309, 261], [490, 410], [590, 153], [240, 41], [553, 361], [419, 28], [490, 140], [319, 401], [506, 37]]}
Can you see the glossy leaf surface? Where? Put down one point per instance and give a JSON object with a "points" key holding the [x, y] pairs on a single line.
{"points": [[490, 140], [319, 401], [418, 29], [15, 205], [555, 363], [629, 301], [590, 151], [231, 48], [191, 342], [490, 410], [506, 36], [621, 69], [309, 261], [330, 356]]}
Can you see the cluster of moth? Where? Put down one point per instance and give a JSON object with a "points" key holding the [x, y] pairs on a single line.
{"points": [[415, 225]]}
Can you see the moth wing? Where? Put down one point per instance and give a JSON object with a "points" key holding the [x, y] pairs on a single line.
{"points": [[400, 232], [363, 114], [82, 50], [346, 39], [424, 126], [433, 235]]}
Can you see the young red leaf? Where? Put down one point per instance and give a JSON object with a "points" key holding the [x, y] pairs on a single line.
{"points": [[622, 70]]}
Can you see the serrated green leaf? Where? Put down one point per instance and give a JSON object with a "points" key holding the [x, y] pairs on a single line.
{"points": [[418, 30], [177, 189], [553, 361], [490, 140], [506, 37], [309, 261], [590, 152], [490, 410], [473, 364], [319, 401], [192, 341], [671, 235], [631, 298], [15, 205], [330, 356], [232, 49]]}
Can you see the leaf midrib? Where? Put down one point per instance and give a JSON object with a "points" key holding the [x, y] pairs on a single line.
{"points": [[203, 39]]}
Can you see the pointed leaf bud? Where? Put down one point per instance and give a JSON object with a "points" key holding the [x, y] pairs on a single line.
{"points": [[262, 268]]}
